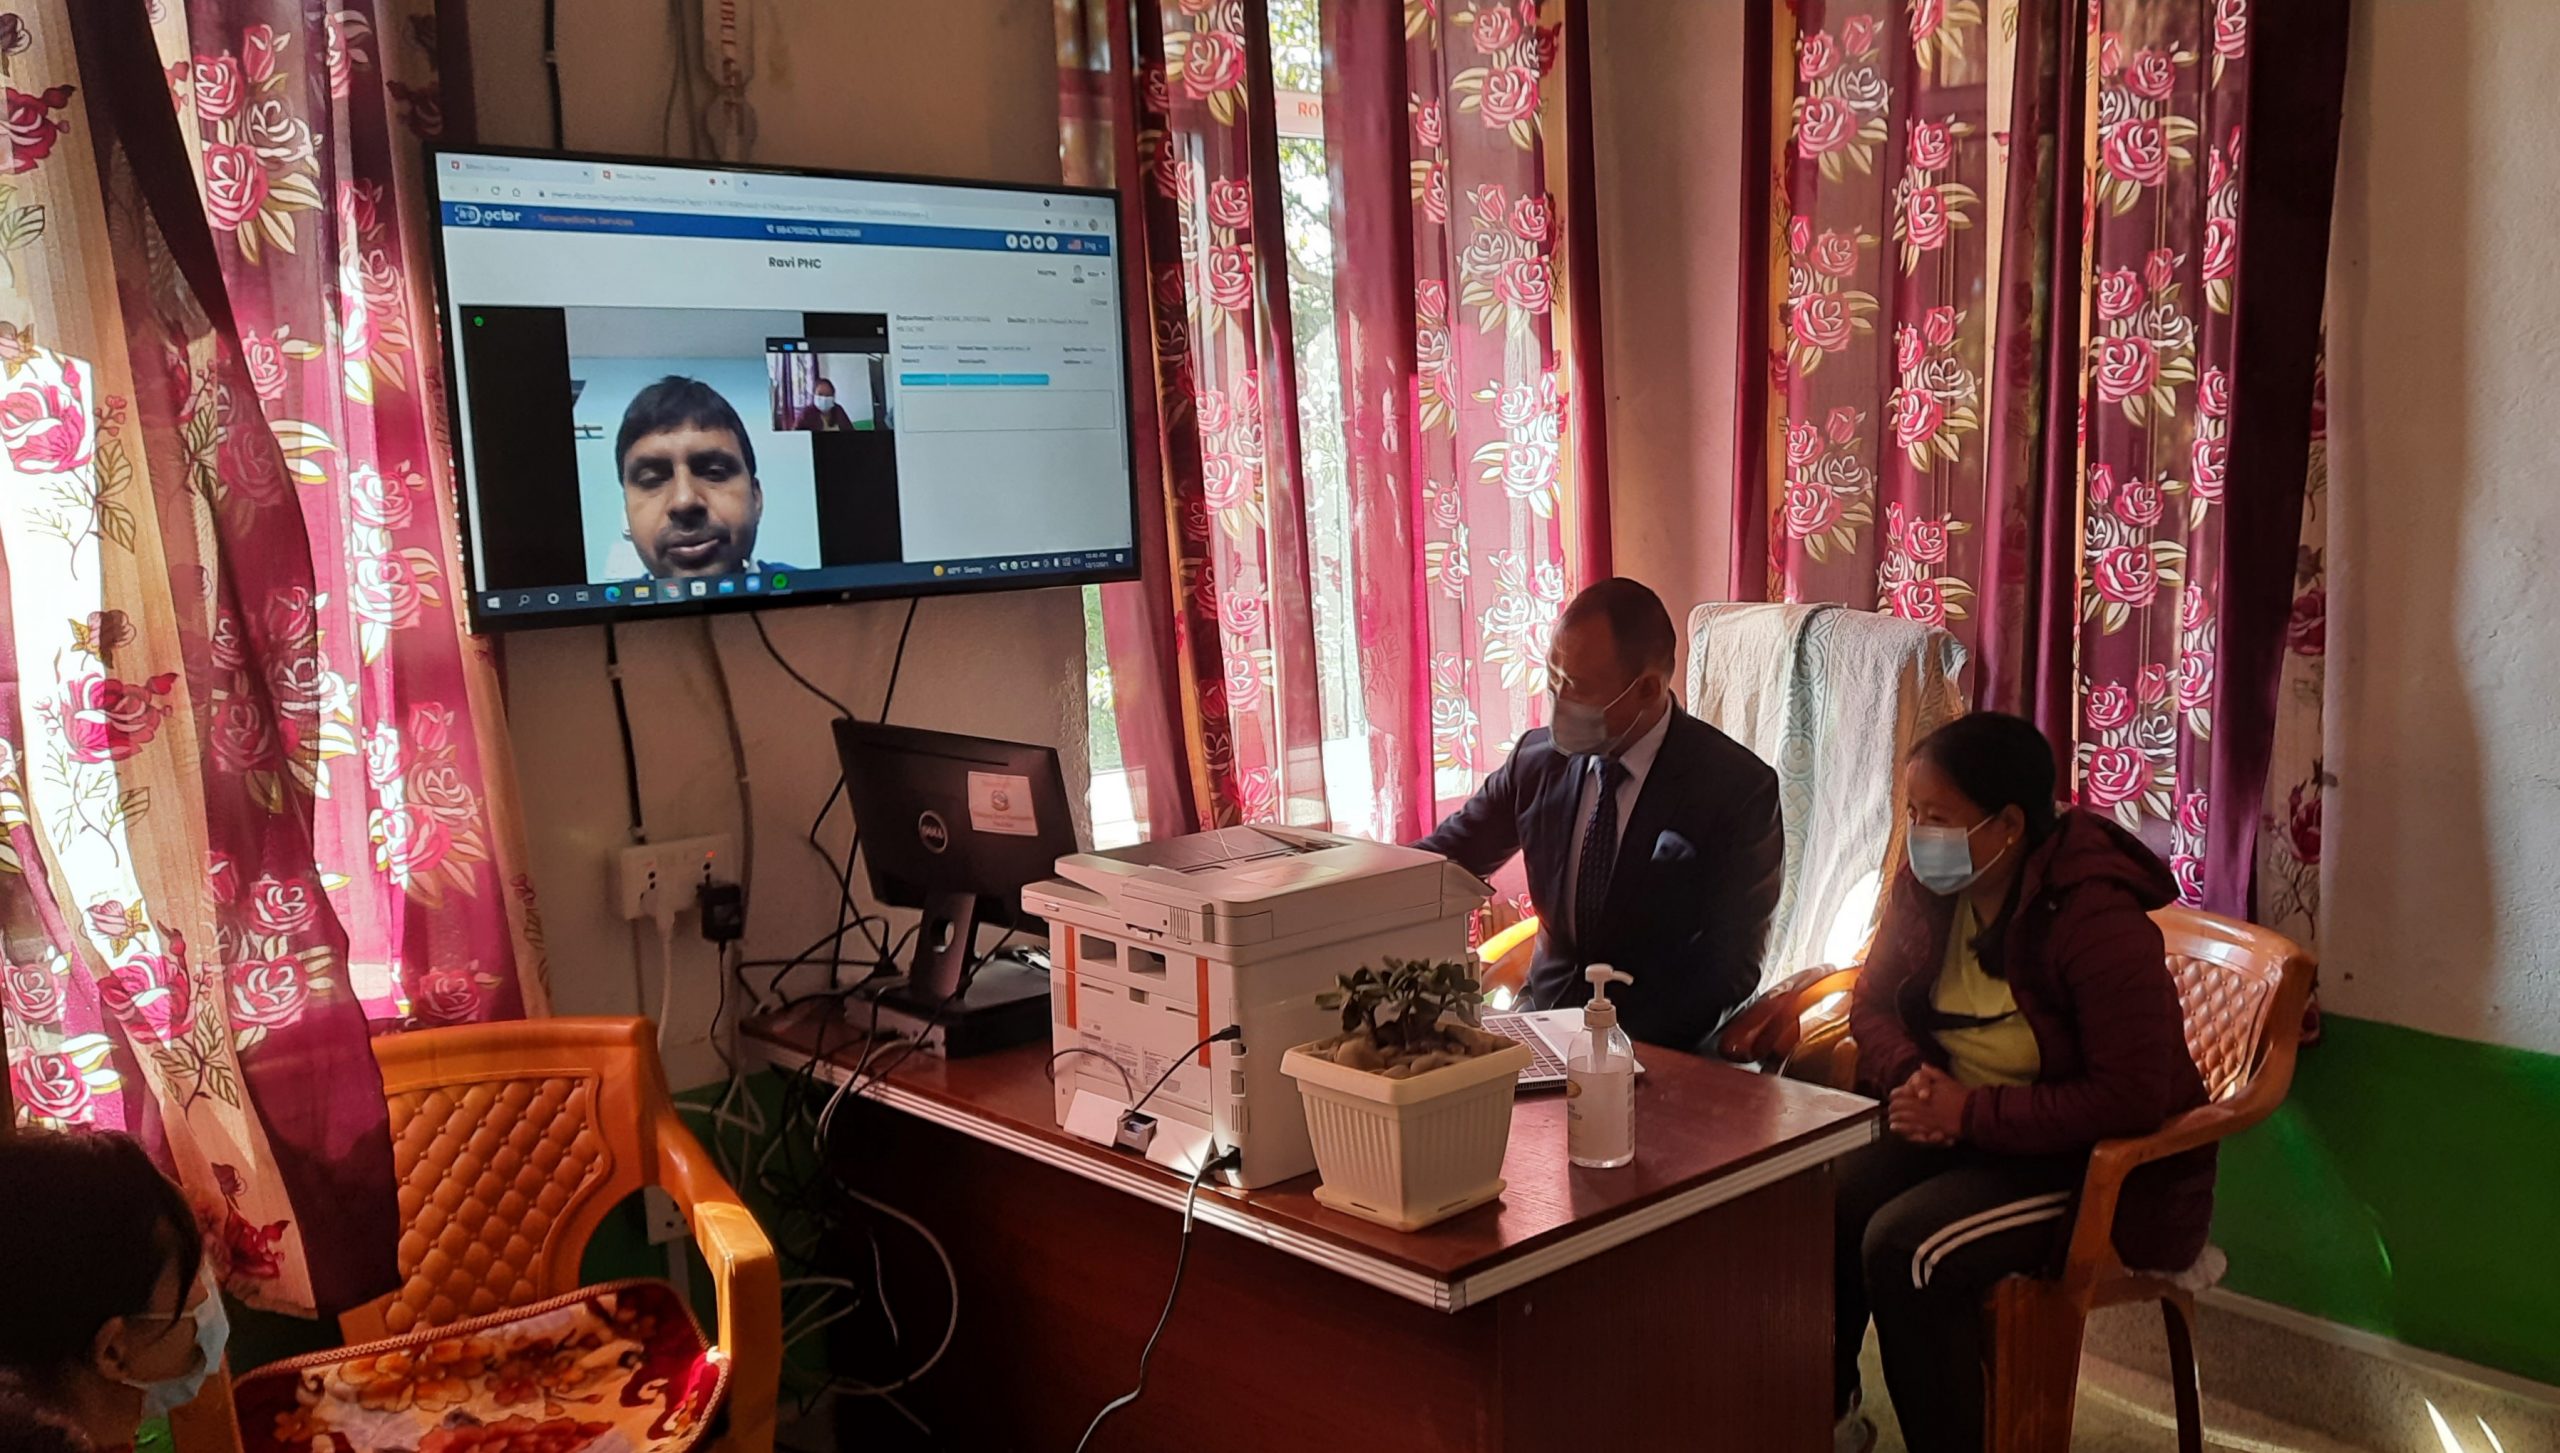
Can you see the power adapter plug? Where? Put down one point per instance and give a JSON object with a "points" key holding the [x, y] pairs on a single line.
{"points": [[724, 912]]}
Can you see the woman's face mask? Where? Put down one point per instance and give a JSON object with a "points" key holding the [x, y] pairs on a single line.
{"points": [[206, 1326], [1942, 856]]}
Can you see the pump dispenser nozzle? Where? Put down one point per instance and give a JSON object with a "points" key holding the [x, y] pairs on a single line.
{"points": [[1600, 1013]]}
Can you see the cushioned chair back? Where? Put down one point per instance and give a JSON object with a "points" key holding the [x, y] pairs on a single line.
{"points": [[512, 1142], [1833, 699], [2228, 976]]}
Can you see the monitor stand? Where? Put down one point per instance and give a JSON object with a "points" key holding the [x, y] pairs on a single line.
{"points": [[956, 1005]]}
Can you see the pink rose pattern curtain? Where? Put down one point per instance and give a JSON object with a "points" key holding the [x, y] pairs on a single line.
{"points": [[2162, 259], [1227, 381], [2289, 834], [305, 124], [1886, 364], [250, 774], [1471, 440], [1456, 397], [1886, 334]]}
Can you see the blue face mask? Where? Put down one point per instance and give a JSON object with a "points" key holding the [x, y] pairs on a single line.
{"points": [[1942, 856], [213, 1334]]}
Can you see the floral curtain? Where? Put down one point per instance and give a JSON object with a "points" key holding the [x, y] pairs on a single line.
{"points": [[1469, 439], [1877, 381], [1469, 466], [2289, 837], [254, 782], [305, 123], [2161, 358], [2105, 572]]}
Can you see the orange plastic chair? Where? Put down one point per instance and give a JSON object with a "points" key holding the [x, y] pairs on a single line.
{"points": [[2243, 989], [512, 1143]]}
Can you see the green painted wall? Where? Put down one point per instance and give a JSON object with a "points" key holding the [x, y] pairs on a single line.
{"points": [[2410, 1186]]}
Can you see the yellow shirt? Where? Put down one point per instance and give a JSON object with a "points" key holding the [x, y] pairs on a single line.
{"points": [[1999, 1053]]}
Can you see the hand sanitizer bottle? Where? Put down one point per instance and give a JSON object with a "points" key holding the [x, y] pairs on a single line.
{"points": [[1600, 1081]]}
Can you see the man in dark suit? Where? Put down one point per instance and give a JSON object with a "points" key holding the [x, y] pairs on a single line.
{"points": [[1653, 840]]}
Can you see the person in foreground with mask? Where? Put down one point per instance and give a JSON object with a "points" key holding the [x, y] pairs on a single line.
{"points": [[2015, 1010], [1653, 841], [112, 1316]]}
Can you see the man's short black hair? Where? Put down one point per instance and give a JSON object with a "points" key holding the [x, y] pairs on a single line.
{"points": [[1638, 622], [677, 402]]}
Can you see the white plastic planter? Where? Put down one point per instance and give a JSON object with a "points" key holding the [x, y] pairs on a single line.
{"points": [[1406, 1153]]}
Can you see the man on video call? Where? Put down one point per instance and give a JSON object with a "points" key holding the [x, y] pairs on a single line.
{"points": [[690, 500]]}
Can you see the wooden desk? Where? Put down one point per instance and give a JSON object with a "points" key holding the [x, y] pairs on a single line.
{"points": [[1682, 1302]]}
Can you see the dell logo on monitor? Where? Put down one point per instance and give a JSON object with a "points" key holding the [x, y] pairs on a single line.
{"points": [[466, 214], [933, 832]]}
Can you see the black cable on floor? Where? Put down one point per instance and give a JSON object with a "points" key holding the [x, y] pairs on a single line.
{"points": [[1181, 1260]]}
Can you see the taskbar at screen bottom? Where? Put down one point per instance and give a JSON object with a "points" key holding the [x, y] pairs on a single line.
{"points": [[778, 584]]}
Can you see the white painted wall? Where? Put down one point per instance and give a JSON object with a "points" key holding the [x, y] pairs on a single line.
{"points": [[2442, 838], [958, 89], [1667, 87]]}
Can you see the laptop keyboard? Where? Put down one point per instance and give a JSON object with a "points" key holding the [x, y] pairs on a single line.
{"points": [[1544, 1066]]}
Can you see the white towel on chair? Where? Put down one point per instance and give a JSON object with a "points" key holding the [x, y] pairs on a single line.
{"points": [[1833, 699]]}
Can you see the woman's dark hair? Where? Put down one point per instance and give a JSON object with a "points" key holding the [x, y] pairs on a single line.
{"points": [[88, 1226], [1997, 761]]}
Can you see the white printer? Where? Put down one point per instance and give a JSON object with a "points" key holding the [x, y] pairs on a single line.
{"points": [[1159, 948]]}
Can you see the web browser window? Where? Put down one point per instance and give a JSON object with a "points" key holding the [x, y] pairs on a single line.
{"points": [[678, 386]]}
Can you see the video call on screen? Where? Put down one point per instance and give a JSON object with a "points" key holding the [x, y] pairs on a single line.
{"points": [[551, 392]]}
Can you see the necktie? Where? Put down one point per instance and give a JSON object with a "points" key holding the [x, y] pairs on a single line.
{"points": [[1599, 855]]}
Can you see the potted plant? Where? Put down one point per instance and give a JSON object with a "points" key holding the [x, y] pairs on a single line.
{"points": [[1409, 1108]]}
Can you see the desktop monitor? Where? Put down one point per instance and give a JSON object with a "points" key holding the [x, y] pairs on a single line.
{"points": [[955, 826], [678, 388]]}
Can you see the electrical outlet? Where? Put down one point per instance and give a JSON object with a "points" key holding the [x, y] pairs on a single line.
{"points": [[677, 866], [666, 1218]]}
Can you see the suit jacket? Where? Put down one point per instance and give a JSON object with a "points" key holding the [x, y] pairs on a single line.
{"points": [[1691, 893]]}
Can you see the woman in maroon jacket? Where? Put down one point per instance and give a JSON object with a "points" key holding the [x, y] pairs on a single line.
{"points": [[2017, 1009]]}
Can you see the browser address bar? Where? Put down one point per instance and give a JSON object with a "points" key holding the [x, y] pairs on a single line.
{"points": [[763, 206]]}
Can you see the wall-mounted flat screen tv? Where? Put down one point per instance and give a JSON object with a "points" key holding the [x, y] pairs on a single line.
{"points": [[679, 388]]}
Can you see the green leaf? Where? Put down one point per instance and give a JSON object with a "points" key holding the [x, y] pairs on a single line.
{"points": [[20, 226], [116, 523]]}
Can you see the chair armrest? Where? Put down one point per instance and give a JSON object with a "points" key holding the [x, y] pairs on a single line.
{"points": [[208, 1423], [1767, 1028], [745, 1276], [2093, 1232], [1505, 956]]}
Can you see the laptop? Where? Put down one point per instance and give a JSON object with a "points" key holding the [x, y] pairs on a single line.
{"points": [[1548, 1033]]}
